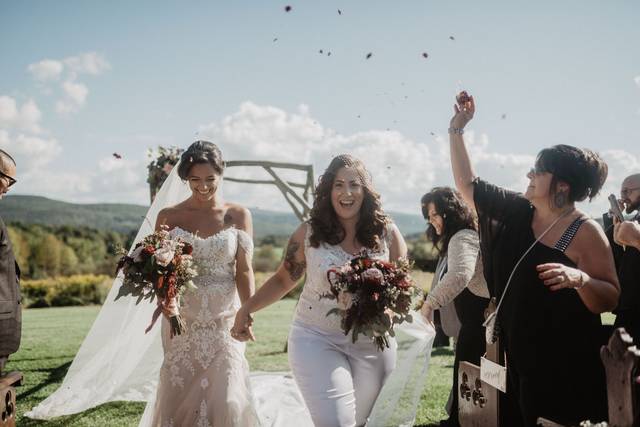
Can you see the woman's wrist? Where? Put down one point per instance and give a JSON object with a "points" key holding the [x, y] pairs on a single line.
{"points": [[453, 130], [582, 280]]}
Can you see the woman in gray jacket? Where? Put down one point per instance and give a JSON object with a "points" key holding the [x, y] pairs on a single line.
{"points": [[459, 285]]}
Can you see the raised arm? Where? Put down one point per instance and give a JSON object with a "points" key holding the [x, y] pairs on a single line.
{"points": [[460, 163]]}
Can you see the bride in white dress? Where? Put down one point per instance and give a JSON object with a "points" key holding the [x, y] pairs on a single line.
{"points": [[204, 379]]}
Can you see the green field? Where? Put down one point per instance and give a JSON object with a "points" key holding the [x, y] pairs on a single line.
{"points": [[52, 336]]}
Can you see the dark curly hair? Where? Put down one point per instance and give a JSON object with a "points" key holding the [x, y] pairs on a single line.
{"points": [[325, 226], [581, 168], [198, 153], [456, 215]]}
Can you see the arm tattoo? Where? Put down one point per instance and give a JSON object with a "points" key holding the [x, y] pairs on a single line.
{"points": [[294, 267]]}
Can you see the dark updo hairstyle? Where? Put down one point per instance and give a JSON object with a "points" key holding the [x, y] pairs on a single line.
{"points": [[456, 215], [325, 226], [583, 170], [198, 153]]}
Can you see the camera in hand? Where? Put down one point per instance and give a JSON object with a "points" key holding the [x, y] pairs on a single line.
{"points": [[616, 212]]}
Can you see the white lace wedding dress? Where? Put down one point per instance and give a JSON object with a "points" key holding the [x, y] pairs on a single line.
{"points": [[204, 378]]}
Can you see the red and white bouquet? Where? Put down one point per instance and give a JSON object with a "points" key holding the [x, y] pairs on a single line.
{"points": [[373, 296], [160, 267]]}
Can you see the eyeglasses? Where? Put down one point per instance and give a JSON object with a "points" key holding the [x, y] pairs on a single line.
{"points": [[626, 191], [537, 170], [11, 179]]}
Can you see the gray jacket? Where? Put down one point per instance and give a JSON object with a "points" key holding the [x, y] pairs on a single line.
{"points": [[10, 309]]}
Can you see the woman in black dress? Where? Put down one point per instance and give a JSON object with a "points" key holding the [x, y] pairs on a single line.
{"points": [[550, 316]]}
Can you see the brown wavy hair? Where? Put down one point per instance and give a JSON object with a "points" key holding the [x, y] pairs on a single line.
{"points": [[456, 215], [325, 226]]}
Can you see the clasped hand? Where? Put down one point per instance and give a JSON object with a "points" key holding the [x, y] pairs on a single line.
{"points": [[241, 329]]}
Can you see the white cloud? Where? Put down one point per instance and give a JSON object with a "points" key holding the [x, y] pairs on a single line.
{"points": [[87, 63], [402, 169], [31, 152], [45, 70], [26, 117], [74, 98], [74, 93], [637, 80]]}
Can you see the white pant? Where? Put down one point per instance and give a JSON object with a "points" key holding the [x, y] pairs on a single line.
{"points": [[338, 379]]}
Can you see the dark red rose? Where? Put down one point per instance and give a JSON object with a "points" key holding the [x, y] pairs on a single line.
{"points": [[187, 249], [149, 250]]}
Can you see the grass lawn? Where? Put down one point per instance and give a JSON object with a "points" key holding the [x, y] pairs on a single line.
{"points": [[52, 336]]}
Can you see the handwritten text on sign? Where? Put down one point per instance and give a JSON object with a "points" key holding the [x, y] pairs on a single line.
{"points": [[493, 374]]}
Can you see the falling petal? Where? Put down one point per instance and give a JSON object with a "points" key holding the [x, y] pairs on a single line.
{"points": [[339, 12], [287, 8], [425, 55], [328, 53], [451, 38], [432, 134], [117, 156], [321, 51], [275, 40], [504, 116], [369, 55]]}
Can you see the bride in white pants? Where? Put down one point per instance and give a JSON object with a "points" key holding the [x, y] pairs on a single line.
{"points": [[339, 380]]}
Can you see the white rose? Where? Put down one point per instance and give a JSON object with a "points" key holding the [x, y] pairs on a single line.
{"points": [[373, 274], [164, 256]]}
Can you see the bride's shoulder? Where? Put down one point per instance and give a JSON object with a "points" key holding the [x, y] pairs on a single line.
{"points": [[238, 216], [169, 216]]}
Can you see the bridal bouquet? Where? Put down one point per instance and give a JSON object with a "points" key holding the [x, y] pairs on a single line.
{"points": [[372, 296], [158, 267]]}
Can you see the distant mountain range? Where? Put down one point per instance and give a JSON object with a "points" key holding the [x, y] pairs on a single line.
{"points": [[126, 218]]}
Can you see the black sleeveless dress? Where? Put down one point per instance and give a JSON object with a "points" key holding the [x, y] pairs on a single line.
{"points": [[551, 339]]}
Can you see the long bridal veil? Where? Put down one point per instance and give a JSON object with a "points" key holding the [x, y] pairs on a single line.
{"points": [[117, 361]]}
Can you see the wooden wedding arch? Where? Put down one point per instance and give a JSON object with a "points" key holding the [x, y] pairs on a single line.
{"points": [[298, 194]]}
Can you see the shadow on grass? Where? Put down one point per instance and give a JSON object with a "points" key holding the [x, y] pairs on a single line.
{"points": [[442, 351], [56, 375], [94, 416]]}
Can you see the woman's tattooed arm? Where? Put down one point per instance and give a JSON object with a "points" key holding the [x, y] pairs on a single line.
{"points": [[294, 267]]}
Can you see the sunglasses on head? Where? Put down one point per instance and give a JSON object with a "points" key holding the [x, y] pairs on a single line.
{"points": [[11, 179]]}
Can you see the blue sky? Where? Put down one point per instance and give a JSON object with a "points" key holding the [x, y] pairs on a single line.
{"points": [[126, 76]]}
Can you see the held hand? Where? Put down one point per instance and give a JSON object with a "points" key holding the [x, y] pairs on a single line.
{"points": [[241, 329], [463, 111], [559, 276], [626, 233]]}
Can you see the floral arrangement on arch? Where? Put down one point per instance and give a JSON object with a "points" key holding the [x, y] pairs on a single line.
{"points": [[161, 165]]}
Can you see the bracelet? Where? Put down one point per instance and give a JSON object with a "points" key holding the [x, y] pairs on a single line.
{"points": [[455, 131], [582, 281]]}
